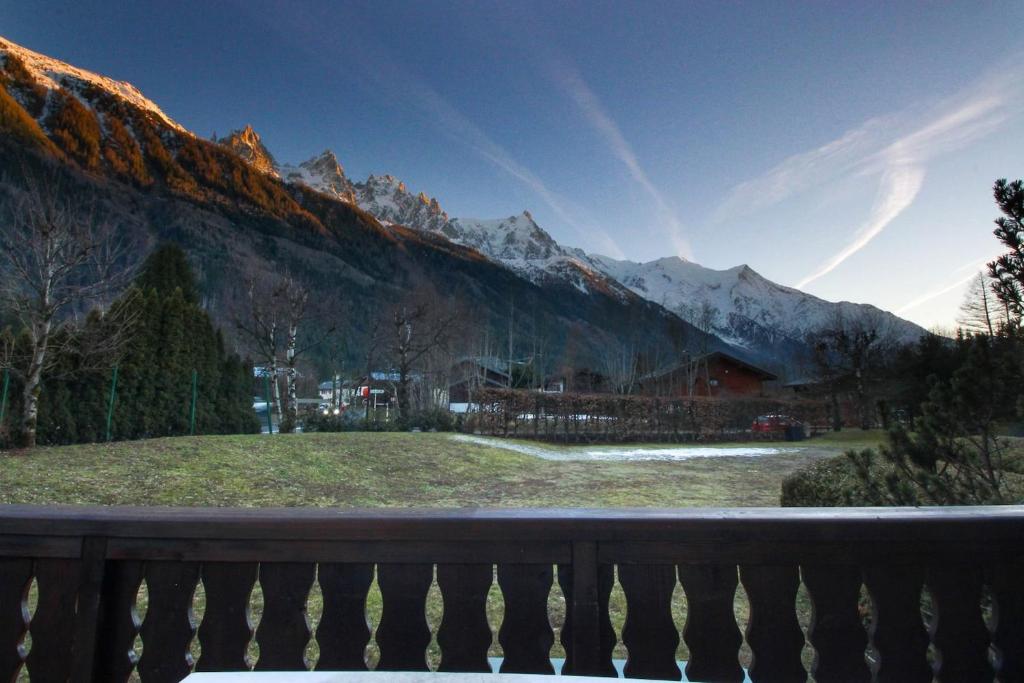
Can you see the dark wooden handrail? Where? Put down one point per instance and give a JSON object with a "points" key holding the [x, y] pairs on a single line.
{"points": [[86, 564]]}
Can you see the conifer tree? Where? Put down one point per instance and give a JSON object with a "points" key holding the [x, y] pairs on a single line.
{"points": [[1008, 269]]}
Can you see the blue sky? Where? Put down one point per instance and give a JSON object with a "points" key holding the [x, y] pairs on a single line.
{"points": [[846, 148]]}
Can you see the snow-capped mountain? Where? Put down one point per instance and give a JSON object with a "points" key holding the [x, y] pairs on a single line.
{"points": [[387, 198], [323, 173], [748, 309], [52, 74]]}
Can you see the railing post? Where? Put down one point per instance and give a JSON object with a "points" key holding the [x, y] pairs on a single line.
{"points": [[94, 552], [586, 634]]}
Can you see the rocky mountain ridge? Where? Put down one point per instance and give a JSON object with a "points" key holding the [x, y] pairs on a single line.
{"points": [[749, 310]]}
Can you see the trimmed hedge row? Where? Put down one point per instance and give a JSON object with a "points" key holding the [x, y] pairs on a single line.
{"points": [[603, 417]]}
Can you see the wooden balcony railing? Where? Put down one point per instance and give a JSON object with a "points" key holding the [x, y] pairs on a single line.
{"points": [[81, 569]]}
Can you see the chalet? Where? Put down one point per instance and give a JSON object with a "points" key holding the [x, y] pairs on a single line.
{"points": [[579, 381], [716, 374], [467, 375]]}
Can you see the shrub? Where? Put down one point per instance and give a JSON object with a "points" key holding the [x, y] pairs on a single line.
{"points": [[827, 483]]}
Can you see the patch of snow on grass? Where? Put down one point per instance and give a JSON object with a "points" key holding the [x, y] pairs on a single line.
{"points": [[611, 453]]}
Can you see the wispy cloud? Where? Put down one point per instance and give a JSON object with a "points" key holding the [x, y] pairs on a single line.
{"points": [[895, 149], [397, 83], [928, 296], [899, 187], [459, 127], [599, 118]]}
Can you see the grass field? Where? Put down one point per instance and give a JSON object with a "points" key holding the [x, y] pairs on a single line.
{"points": [[380, 469], [394, 469]]}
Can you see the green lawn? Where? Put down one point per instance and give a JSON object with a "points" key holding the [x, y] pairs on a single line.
{"points": [[379, 469], [395, 469]]}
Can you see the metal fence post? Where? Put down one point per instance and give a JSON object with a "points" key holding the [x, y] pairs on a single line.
{"points": [[110, 406]]}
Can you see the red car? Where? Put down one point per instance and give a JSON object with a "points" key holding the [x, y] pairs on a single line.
{"points": [[773, 424]]}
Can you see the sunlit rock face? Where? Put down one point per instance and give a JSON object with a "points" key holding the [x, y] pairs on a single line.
{"points": [[247, 144]]}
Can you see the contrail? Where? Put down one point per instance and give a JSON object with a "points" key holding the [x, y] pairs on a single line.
{"points": [[599, 118], [937, 293], [899, 188]]}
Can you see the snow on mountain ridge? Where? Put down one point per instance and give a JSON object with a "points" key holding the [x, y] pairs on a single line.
{"points": [[751, 311], [323, 173], [52, 74], [745, 300]]}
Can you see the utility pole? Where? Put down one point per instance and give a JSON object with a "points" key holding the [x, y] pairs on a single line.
{"points": [[110, 406], [266, 393], [192, 411], [3, 399]]}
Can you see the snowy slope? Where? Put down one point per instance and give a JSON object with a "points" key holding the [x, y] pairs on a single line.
{"points": [[52, 73], [751, 310], [387, 198], [322, 173]]}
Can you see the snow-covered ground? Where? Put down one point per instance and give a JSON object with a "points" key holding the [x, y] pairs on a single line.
{"points": [[630, 454]]}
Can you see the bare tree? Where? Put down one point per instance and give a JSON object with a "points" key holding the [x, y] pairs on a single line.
{"points": [[279, 313], [695, 359], [980, 311], [56, 259], [850, 351], [421, 324], [307, 329], [263, 328], [620, 364]]}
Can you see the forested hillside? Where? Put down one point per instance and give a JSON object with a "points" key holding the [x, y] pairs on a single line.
{"points": [[132, 166]]}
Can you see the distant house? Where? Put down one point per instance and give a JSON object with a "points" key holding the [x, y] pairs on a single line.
{"points": [[467, 375], [579, 381], [554, 385], [716, 374]]}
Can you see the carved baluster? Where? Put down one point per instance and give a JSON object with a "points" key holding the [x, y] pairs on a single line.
{"points": [[343, 632], [226, 631], [836, 632], [607, 640], [15, 579], [52, 625], [168, 629], [283, 632], [774, 634], [403, 634], [897, 631], [650, 634], [958, 629], [711, 632], [525, 635], [119, 623], [464, 634], [1008, 630]]}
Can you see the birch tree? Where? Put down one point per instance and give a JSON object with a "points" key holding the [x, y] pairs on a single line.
{"points": [[56, 259]]}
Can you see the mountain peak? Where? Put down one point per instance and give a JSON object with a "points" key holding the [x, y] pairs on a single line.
{"points": [[247, 144], [52, 74], [322, 173], [325, 162]]}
